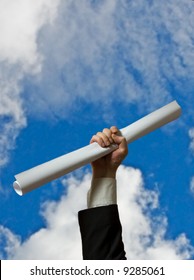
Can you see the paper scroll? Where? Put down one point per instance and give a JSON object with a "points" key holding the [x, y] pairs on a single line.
{"points": [[48, 171]]}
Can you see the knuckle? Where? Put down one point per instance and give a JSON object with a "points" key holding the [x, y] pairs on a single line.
{"points": [[107, 132], [99, 133], [114, 127]]}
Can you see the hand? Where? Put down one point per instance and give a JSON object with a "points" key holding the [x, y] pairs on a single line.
{"points": [[107, 165]]}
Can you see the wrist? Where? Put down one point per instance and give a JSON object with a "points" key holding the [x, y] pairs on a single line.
{"points": [[104, 173]]}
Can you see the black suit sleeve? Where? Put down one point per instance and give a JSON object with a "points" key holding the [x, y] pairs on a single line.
{"points": [[101, 233]]}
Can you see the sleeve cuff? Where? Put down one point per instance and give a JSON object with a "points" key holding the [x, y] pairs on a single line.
{"points": [[102, 192]]}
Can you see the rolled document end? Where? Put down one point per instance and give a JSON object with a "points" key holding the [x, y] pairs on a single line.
{"points": [[151, 122], [42, 174], [17, 188], [179, 109]]}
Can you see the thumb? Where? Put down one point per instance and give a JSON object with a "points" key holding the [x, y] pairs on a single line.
{"points": [[117, 138], [121, 142]]}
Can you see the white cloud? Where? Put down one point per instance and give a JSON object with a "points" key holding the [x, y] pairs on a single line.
{"points": [[131, 51], [192, 185], [60, 238], [11, 113], [143, 234], [20, 22], [191, 147], [8, 242], [191, 135]]}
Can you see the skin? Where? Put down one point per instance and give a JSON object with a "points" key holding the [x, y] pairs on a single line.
{"points": [[107, 166]]}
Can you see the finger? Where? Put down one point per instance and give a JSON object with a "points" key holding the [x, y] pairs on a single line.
{"points": [[114, 129], [99, 140], [108, 133], [117, 139], [104, 138], [124, 147], [121, 141]]}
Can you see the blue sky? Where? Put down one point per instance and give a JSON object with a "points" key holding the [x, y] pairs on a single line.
{"points": [[67, 70]]}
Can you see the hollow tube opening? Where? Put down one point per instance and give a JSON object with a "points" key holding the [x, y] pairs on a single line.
{"points": [[17, 188]]}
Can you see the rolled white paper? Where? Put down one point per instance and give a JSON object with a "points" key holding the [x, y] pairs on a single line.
{"points": [[35, 177]]}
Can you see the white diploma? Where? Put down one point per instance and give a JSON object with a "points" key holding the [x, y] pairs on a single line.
{"points": [[37, 176]]}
